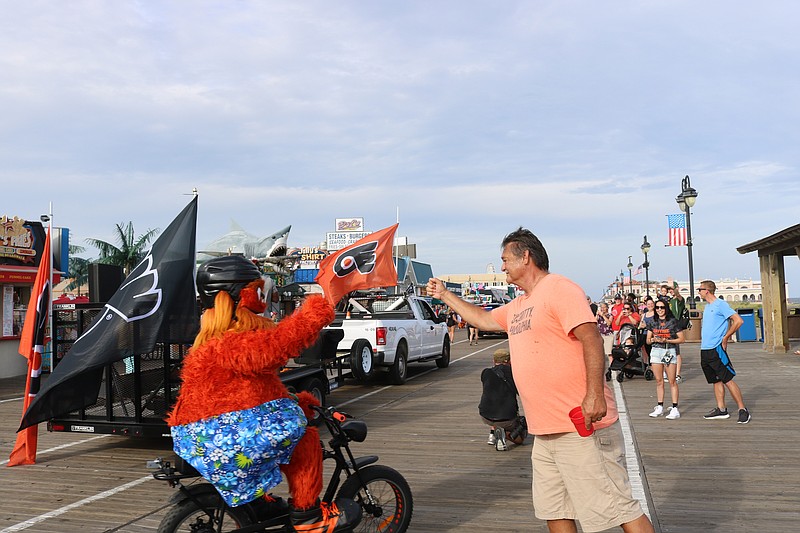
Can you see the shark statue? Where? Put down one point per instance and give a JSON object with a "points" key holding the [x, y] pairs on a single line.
{"points": [[238, 242]]}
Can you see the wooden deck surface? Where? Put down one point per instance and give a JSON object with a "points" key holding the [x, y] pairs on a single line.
{"points": [[697, 475]]}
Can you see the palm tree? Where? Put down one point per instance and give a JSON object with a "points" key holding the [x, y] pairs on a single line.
{"points": [[78, 269], [131, 249]]}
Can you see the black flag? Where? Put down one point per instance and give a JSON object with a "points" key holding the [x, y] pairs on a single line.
{"points": [[156, 303]]}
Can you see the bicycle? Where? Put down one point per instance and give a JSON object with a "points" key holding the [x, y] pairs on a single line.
{"points": [[382, 492]]}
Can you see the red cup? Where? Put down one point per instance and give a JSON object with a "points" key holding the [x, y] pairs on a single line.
{"points": [[576, 415]]}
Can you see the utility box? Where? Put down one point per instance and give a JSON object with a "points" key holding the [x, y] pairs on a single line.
{"points": [[748, 330]]}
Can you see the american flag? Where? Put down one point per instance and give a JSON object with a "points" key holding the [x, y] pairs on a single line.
{"points": [[638, 270], [677, 230]]}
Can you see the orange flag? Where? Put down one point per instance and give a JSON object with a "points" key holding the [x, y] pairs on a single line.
{"points": [[364, 264], [31, 346]]}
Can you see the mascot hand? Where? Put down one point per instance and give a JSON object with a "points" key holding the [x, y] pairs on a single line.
{"points": [[305, 399]]}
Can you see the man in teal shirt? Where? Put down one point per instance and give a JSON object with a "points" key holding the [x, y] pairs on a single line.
{"points": [[720, 322]]}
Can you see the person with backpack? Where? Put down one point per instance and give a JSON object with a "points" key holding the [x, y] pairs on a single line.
{"points": [[498, 407]]}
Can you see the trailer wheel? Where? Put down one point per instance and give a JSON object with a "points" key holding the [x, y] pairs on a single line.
{"points": [[361, 364], [317, 389], [399, 370], [444, 360]]}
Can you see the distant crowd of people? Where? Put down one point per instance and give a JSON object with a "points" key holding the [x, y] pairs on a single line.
{"points": [[656, 326], [454, 322]]}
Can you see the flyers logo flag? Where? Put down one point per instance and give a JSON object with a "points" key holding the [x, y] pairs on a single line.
{"points": [[31, 346], [155, 304], [365, 264], [361, 258]]}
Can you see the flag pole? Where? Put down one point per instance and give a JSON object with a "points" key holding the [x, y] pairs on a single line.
{"points": [[49, 219], [50, 302]]}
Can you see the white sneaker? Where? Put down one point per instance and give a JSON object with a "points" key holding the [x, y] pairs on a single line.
{"points": [[674, 414], [500, 440], [492, 439], [658, 411]]}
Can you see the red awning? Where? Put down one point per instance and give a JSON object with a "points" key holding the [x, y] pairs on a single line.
{"points": [[19, 274]]}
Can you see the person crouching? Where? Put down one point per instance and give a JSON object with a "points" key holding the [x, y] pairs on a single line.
{"points": [[498, 407]]}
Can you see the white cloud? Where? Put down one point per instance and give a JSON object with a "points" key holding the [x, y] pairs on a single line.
{"points": [[575, 119]]}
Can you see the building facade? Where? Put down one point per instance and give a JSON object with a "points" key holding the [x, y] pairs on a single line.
{"points": [[474, 286], [729, 289]]}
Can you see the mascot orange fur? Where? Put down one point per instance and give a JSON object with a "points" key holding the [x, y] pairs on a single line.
{"points": [[234, 420]]}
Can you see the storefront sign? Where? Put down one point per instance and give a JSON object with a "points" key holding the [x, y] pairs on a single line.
{"points": [[21, 241], [309, 256], [338, 240], [17, 275], [350, 224]]}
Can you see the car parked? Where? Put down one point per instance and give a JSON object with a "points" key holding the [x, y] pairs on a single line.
{"points": [[488, 307]]}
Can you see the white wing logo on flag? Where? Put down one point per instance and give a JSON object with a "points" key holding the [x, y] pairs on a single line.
{"points": [[361, 258], [143, 297]]}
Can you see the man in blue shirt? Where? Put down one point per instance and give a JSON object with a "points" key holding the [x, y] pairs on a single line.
{"points": [[720, 322]]}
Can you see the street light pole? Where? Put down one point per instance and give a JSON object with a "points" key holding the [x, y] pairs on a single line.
{"points": [[630, 274], [686, 200], [645, 250]]}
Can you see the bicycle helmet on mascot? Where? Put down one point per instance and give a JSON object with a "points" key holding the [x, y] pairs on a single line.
{"points": [[229, 273]]}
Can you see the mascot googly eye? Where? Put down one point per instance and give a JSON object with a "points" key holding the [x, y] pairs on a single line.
{"points": [[252, 297]]}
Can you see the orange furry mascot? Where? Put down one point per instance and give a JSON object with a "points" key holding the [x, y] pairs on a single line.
{"points": [[234, 420]]}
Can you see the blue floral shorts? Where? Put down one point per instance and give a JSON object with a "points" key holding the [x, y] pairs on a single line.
{"points": [[240, 452]]}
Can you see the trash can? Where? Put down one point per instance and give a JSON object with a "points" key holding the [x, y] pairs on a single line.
{"points": [[748, 330], [693, 333]]}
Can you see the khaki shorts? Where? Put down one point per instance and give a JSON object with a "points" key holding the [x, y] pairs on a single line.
{"points": [[584, 479], [608, 343]]}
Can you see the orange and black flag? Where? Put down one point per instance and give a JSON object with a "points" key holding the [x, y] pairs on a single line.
{"points": [[365, 264], [31, 346]]}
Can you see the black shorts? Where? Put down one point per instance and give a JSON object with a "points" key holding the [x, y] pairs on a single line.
{"points": [[716, 365]]}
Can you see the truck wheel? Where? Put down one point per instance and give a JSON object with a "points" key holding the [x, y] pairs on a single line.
{"points": [[317, 389], [361, 364], [444, 360], [399, 370]]}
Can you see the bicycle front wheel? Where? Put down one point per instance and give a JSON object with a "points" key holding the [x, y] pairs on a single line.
{"points": [[385, 499]]}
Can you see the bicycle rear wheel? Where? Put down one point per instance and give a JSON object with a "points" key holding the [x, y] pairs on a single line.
{"points": [[187, 517]]}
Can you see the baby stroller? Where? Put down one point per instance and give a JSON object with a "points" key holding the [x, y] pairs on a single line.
{"points": [[627, 355]]}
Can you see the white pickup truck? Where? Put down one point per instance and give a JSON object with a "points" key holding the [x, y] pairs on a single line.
{"points": [[390, 332]]}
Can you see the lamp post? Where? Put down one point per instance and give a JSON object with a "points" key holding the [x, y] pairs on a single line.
{"points": [[645, 251], [630, 275], [686, 200], [622, 283]]}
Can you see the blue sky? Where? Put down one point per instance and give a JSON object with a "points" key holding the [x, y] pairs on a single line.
{"points": [[576, 119]]}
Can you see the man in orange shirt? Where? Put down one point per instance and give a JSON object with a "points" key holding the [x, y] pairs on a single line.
{"points": [[558, 360]]}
